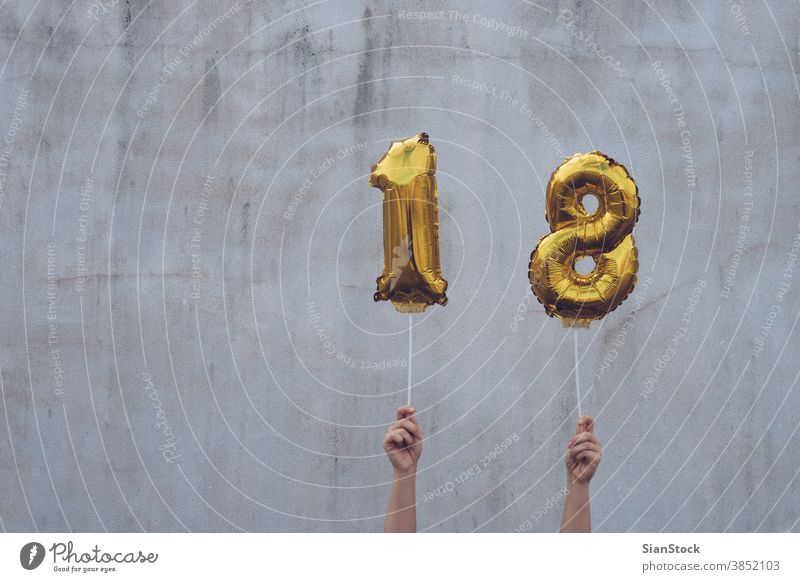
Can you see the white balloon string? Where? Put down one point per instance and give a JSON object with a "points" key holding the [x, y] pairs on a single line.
{"points": [[577, 370], [410, 328]]}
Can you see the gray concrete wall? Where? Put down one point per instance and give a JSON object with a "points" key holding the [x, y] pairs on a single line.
{"points": [[190, 246]]}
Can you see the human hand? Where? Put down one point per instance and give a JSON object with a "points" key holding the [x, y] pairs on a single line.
{"points": [[403, 441], [583, 452]]}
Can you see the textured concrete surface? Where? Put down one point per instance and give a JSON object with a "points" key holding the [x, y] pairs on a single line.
{"points": [[189, 250]]}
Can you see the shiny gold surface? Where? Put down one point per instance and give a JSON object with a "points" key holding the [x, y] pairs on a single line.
{"points": [[605, 235], [412, 275]]}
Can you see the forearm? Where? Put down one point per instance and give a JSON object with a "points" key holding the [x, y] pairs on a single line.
{"points": [[577, 517], [401, 516]]}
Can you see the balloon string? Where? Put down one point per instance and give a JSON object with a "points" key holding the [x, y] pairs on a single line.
{"points": [[577, 371], [410, 342]]}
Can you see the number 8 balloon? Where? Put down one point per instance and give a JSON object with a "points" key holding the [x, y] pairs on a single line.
{"points": [[605, 235]]}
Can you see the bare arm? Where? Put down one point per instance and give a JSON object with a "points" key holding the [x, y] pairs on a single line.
{"points": [[582, 459], [577, 517], [401, 517], [403, 446]]}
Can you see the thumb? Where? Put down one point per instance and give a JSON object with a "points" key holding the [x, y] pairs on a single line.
{"points": [[585, 424]]}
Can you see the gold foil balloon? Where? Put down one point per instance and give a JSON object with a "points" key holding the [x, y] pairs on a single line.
{"points": [[605, 235], [412, 276]]}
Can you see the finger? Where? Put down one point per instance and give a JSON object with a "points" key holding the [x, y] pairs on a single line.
{"points": [[580, 438], [401, 437], [572, 457], [590, 438], [584, 456], [587, 446], [409, 424], [590, 456], [404, 411], [574, 453], [410, 427], [407, 438], [579, 430], [586, 424]]}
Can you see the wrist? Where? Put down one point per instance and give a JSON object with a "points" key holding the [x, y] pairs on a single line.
{"points": [[577, 485], [398, 474]]}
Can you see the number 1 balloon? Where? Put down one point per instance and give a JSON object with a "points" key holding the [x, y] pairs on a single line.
{"points": [[412, 275], [605, 235]]}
